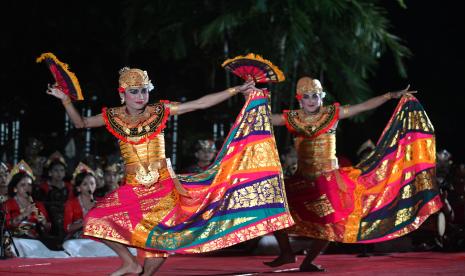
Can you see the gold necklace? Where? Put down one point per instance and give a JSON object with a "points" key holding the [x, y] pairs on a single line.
{"points": [[145, 175], [311, 118], [135, 119]]}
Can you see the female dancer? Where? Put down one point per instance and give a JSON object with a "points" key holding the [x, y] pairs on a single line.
{"points": [[239, 197], [387, 195]]}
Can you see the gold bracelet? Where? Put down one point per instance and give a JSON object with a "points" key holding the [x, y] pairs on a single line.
{"points": [[232, 91], [345, 109], [387, 95], [66, 102], [174, 108]]}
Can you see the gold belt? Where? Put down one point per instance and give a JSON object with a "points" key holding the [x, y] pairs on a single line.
{"points": [[157, 165], [147, 174], [136, 174]]}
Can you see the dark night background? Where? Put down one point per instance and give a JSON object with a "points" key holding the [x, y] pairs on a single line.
{"points": [[432, 30]]}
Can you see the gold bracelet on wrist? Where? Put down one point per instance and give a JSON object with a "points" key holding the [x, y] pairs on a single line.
{"points": [[174, 108], [66, 101], [232, 91], [345, 109]]}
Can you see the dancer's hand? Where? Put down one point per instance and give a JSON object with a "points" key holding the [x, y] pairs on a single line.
{"points": [[246, 88], [400, 93], [55, 91], [28, 210]]}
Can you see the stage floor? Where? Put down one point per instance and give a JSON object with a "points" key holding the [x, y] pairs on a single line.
{"points": [[424, 263]]}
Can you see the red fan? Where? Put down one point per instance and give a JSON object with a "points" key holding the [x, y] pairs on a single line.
{"points": [[66, 80], [254, 67]]}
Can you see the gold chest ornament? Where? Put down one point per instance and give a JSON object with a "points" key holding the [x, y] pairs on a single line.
{"points": [[148, 176]]}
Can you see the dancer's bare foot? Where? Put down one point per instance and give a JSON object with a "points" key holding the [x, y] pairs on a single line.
{"points": [[134, 268], [151, 265], [282, 260]]}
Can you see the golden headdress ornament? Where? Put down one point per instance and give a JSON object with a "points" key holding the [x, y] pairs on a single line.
{"points": [[56, 156], [22, 166], [133, 78], [82, 168], [308, 85]]}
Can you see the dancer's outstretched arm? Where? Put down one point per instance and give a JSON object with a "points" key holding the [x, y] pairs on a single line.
{"points": [[213, 99], [349, 111], [76, 118]]}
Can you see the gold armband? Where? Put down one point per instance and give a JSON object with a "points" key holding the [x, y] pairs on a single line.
{"points": [[174, 108], [345, 109], [232, 91], [66, 102]]}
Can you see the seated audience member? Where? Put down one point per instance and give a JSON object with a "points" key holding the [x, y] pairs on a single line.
{"points": [[25, 218], [77, 207], [289, 161], [205, 151], [3, 183], [110, 179], [55, 191]]}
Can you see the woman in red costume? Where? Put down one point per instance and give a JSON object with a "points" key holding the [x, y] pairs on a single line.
{"points": [[77, 207], [387, 195], [157, 214], [25, 218]]}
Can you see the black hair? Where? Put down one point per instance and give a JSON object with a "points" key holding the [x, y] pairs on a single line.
{"points": [[14, 182], [78, 180], [53, 164]]}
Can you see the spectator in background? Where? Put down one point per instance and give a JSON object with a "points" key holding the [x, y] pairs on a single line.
{"points": [[205, 151], [55, 191], [77, 207], [3, 182], [32, 156], [110, 180], [25, 218], [289, 161]]}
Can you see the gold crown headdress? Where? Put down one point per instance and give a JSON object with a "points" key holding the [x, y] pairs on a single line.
{"points": [[133, 78], [82, 168], [56, 156], [22, 166], [308, 85]]}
